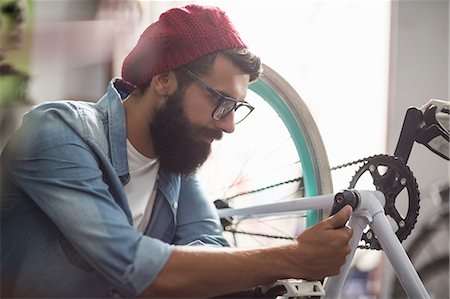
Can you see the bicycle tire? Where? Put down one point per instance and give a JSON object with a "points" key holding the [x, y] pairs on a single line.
{"points": [[421, 247], [297, 120], [438, 268], [438, 223], [302, 127]]}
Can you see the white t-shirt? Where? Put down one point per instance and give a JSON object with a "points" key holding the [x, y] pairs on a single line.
{"points": [[141, 189]]}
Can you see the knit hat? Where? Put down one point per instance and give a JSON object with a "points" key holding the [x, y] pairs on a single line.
{"points": [[180, 36]]}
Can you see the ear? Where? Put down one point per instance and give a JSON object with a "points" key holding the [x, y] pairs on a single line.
{"points": [[165, 83]]}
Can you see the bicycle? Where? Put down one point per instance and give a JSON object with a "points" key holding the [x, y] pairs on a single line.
{"points": [[390, 176], [310, 153]]}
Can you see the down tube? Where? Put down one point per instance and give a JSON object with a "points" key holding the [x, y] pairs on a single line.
{"points": [[400, 261], [310, 179], [334, 284]]}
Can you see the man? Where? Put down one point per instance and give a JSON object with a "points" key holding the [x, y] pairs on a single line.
{"points": [[101, 200]]}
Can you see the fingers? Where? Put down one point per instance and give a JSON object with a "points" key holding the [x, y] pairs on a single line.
{"points": [[339, 219], [327, 244]]}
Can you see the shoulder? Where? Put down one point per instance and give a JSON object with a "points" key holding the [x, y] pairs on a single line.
{"points": [[56, 123], [68, 111]]}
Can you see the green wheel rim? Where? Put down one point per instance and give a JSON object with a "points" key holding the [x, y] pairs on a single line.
{"points": [[302, 142]]}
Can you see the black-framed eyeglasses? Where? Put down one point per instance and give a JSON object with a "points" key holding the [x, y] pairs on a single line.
{"points": [[225, 104]]}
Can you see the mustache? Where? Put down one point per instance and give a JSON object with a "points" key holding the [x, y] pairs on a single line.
{"points": [[212, 133]]}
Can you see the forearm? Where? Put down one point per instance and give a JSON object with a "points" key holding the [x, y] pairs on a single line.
{"points": [[206, 272], [199, 271]]}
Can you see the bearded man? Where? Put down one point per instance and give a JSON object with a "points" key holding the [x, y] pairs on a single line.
{"points": [[101, 199]]}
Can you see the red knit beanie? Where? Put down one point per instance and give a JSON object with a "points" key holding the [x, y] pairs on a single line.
{"points": [[180, 36]]}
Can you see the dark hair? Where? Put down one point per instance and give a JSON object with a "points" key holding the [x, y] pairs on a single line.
{"points": [[248, 62]]}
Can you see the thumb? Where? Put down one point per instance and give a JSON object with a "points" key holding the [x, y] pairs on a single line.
{"points": [[339, 219]]}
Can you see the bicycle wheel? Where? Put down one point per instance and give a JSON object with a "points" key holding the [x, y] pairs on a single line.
{"points": [[432, 241], [429, 252], [435, 277], [279, 142]]}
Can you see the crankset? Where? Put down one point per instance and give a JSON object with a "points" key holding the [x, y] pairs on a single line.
{"points": [[391, 176]]}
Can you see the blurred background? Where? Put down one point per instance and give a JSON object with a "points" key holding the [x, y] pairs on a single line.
{"points": [[358, 65]]}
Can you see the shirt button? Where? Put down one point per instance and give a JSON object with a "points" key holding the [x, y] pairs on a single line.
{"points": [[175, 205]]}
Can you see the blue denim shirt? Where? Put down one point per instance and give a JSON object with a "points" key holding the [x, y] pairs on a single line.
{"points": [[66, 227]]}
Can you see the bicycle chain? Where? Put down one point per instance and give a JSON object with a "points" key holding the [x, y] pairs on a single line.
{"points": [[349, 163], [299, 179], [234, 231], [402, 178]]}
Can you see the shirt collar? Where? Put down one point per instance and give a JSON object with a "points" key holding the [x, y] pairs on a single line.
{"points": [[112, 104]]}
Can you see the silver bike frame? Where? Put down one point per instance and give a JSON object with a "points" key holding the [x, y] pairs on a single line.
{"points": [[370, 212]]}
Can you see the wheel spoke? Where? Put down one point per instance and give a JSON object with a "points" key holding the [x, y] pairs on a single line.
{"points": [[250, 160]]}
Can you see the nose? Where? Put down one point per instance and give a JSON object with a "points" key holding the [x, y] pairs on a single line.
{"points": [[226, 124]]}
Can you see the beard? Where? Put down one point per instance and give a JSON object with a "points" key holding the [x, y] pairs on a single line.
{"points": [[175, 138]]}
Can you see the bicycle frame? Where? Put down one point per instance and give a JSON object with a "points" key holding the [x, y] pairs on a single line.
{"points": [[368, 211]]}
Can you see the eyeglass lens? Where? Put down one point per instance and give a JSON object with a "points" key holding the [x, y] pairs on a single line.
{"points": [[241, 113], [227, 106]]}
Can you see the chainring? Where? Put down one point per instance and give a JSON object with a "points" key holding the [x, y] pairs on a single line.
{"points": [[391, 176]]}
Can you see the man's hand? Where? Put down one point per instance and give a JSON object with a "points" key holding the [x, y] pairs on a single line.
{"points": [[322, 249], [197, 271]]}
